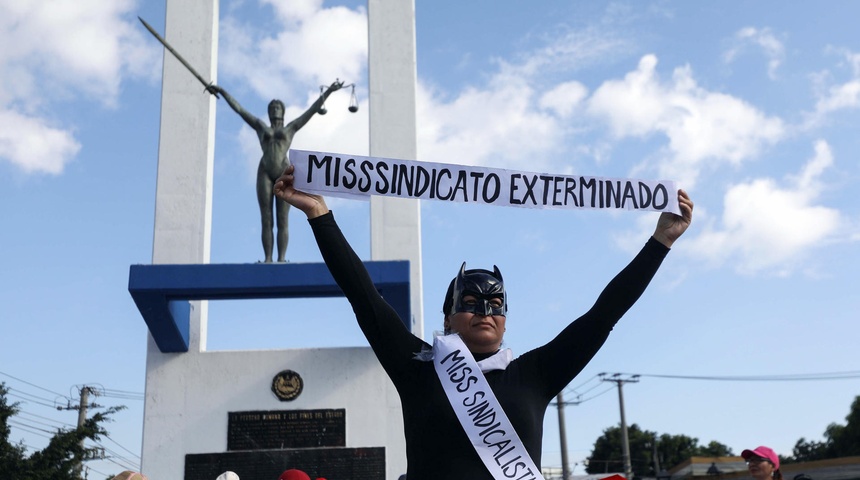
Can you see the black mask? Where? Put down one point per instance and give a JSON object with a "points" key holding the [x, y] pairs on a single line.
{"points": [[481, 284]]}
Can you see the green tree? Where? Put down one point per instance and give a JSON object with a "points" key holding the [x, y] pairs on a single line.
{"points": [[57, 461], [839, 440], [844, 440], [11, 456], [807, 451], [715, 449], [606, 456], [674, 449]]}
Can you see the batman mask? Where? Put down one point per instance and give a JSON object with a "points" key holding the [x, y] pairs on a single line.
{"points": [[481, 284]]}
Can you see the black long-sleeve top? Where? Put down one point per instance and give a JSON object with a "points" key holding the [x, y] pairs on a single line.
{"points": [[436, 445]]}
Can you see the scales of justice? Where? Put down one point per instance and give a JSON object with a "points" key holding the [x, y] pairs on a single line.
{"points": [[331, 412]]}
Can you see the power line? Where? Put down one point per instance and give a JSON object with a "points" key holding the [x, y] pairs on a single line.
{"points": [[24, 426], [45, 418], [120, 446], [124, 467], [579, 394], [595, 395], [113, 390], [40, 423], [114, 454], [27, 424], [123, 396], [32, 385], [30, 400], [94, 470], [574, 391], [579, 400], [585, 383], [21, 392], [792, 377]]}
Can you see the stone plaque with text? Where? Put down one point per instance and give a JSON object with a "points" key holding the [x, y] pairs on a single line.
{"points": [[283, 429]]}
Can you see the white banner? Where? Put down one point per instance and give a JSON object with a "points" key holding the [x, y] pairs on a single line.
{"points": [[354, 176], [480, 413]]}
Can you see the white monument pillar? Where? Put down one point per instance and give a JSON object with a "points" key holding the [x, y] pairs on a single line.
{"points": [[183, 198], [395, 223], [183, 209], [190, 394]]}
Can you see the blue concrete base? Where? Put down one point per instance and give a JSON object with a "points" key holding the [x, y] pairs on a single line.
{"points": [[162, 292]]}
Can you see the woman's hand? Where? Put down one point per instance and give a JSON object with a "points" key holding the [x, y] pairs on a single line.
{"points": [[312, 205], [335, 86], [215, 89], [671, 226]]}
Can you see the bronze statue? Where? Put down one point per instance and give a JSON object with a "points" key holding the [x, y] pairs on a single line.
{"points": [[275, 140]]}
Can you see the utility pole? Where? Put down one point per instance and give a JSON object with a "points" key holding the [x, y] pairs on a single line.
{"points": [[654, 455], [562, 433], [82, 418], [625, 442], [566, 474]]}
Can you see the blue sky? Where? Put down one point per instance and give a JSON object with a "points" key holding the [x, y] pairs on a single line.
{"points": [[753, 108]]}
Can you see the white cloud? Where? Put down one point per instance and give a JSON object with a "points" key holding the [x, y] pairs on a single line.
{"points": [[83, 46], [564, 98], [304, 46], [518, 119], [295, 11], [769, 227], [55, 51], [764, 39], [33, 146], [338, 130], [568, 50], [835, 97], [704, 128], [838, 97], [499, 126]]}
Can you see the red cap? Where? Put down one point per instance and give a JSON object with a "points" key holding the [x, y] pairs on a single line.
{"points": [[763, 452], [293, 474]]}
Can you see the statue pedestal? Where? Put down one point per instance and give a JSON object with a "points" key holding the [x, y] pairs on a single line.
{"points": [[162, 292]]}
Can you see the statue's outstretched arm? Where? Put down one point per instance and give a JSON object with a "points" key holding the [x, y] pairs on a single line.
{"points": [[305, 117], [251, 120]]}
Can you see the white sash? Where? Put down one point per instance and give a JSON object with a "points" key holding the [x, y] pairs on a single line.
{"points": [[479, 412]]}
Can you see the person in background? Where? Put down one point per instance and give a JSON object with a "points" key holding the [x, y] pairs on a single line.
{"points": [[295, 474], [763, 463], [129, 475]]}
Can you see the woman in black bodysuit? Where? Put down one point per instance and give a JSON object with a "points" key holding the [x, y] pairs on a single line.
{"points": [[436, 445]]}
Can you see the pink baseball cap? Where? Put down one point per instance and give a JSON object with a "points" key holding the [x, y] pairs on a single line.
{"points": [[763, 452]]}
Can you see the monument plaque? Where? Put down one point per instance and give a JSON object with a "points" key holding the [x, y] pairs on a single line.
{"points": [[280, 429]]}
